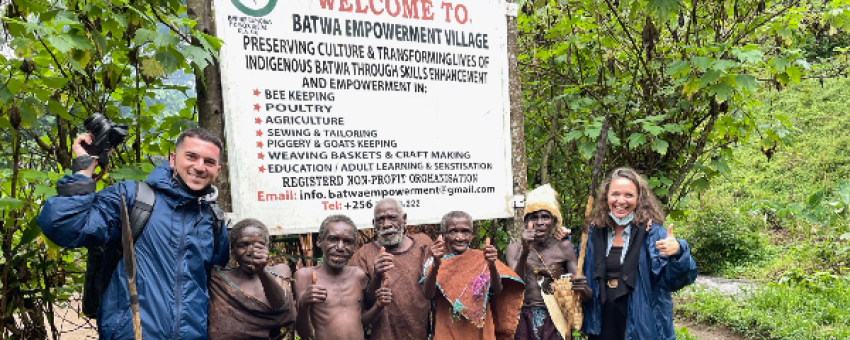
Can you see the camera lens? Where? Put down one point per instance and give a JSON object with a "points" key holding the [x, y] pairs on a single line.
{"points": [[96, 124]]}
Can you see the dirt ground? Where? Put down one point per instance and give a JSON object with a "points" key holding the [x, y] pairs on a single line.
{"points": [[73, 326], [706, 332]]}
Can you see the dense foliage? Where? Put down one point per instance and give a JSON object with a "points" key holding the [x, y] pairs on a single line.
{"points": [[62, 61], [671, 83]]}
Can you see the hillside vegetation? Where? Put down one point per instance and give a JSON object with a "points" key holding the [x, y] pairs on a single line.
{"points": [[780, 218]]}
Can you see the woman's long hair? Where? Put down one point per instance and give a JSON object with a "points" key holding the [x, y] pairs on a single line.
{"points": [[647, 207]]}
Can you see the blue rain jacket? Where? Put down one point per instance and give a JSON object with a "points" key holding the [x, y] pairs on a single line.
{"points": [[174, 254], [650, 304]]}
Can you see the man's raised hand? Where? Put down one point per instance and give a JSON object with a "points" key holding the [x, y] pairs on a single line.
{"points": [[383, 262], [438, 250], [259, 254], [314, 294], [668, 246], [78, 150], [528, 236], [77, 147], [490, 253]]}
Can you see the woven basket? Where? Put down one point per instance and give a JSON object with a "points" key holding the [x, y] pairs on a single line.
{"points": [[569, 302]]}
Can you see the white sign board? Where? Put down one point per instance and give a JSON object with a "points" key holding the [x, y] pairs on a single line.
{"points": [[332, 105]]}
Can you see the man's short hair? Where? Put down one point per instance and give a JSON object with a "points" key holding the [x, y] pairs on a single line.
{"points": [[323, 229], [398, 207], [202, 134], [454, 214], [248, 222]]}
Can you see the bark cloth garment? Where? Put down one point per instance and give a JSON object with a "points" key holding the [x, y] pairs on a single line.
{"points": [[461, 309], [235, 315], [406, 318]]}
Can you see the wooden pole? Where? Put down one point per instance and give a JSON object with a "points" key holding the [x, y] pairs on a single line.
{"points": [[598, 157], [518, 157], [210, 103]]}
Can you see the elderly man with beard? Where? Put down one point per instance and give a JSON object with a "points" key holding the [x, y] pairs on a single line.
{"points": [[397, 259], [330, 295]]}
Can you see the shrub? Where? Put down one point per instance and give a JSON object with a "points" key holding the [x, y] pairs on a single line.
{"points": [[721, 235]]}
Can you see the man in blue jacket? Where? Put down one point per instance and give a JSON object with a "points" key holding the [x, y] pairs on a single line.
{"points": [[175, 251]]}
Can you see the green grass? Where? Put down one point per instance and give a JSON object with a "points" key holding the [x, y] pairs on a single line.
{"points": [[803, 267], [820, 156], [818, 310], [798, 255], [682, 334]]}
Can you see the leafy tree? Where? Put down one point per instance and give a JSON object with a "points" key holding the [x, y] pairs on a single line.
{"points": [[671, 83], [64, 60]]}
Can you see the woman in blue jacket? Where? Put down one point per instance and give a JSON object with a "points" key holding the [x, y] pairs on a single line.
{"points": [[632, 264]]}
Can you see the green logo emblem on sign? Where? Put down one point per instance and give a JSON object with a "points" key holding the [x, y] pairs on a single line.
{"points": [[255, 12]]}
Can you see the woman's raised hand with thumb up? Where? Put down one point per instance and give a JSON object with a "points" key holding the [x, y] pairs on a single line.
{"points": [[668, 246]]}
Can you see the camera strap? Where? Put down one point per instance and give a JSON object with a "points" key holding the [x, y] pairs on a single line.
{"points": [[81, 162]]}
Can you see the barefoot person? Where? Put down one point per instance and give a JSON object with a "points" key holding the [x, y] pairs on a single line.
{"points": [[250, 301], [330, 295], [541, 258], [397, 259], [478, 296], [629, 272]]}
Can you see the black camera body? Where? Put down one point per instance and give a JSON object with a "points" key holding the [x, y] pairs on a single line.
{"points": [[105, 136]]}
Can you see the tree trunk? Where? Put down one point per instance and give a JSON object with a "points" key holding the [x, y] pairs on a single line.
{"points": [[518, 155], [210, 103]]}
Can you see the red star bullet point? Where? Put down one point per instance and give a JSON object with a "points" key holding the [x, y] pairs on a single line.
{"points": [[261, 156], [256, 107], [259, 144], [258, 120], [259, 133], [262, 168], [256, 92]]}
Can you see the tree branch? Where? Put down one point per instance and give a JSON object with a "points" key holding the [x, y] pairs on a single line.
{"points": [[171, 26], [714, 112], [71, 81]]}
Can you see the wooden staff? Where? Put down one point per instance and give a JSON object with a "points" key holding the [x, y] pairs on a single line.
{"points": [[130, 267], [598, 156]]}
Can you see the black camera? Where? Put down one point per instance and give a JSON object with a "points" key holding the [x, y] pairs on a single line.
{"points": [[105, 136]]}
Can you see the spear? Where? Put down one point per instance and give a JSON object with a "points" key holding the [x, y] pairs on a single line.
{"points": [[130, 266], [598, 156]]}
